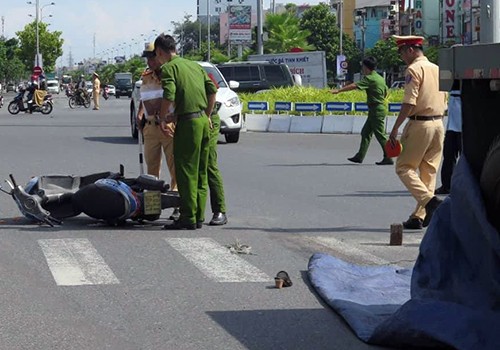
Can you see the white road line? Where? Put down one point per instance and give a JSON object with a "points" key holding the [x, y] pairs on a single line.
{"points": [[216, 261], [75, 262], [349, 250]]}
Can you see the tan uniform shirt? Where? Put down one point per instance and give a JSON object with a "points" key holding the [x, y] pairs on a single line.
{"points": [[96, 87], [422, 88]]}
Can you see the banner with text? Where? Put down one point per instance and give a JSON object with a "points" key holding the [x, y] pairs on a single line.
{"points": [[240, 24]]}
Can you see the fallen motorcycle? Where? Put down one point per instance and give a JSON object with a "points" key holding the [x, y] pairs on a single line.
{"points": [[105, 196], [18, 105]]}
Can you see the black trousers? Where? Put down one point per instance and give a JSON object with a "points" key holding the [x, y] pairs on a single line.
{"points": [[451, 151]]}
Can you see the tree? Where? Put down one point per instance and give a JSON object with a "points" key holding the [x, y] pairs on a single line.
{"points": [[50, 44], [11, 67], [285, 33], [325, 36], [386, 54]]}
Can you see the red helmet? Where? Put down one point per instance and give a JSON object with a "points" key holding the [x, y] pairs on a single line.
{"points": [[393, 150]]}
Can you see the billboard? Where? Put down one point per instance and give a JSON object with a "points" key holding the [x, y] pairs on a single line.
{"points": [[240, 24], [311, 66], [450, 20]]}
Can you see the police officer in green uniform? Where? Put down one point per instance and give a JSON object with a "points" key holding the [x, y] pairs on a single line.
{"points": [[187, 87], [217, 199], [376, 93]]}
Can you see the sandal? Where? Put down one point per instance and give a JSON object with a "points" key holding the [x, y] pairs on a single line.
{"points": [[282, 280]]}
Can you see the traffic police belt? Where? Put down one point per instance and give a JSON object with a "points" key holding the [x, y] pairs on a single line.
{"points": [[152, 121], [425, 117], [189, 116]]}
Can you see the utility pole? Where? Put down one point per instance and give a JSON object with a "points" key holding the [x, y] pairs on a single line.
{"points": [[208, 30], [341, 22], [3, 27], [260, 45], [37, 38], [490, 21], [94, 45]]}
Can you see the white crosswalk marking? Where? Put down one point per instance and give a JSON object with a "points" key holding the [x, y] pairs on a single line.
{"points": [[216, 261], [75, 262]]}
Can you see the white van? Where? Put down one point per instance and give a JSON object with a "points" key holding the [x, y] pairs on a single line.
{"points": [[53, 87]]}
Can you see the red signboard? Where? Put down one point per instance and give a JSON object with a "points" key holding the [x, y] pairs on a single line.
{"points": [[37, 70]]}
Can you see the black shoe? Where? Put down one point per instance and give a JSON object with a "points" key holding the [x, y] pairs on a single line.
{"points": [[218, 219], [413, 224], [177, 225], [199, 224], [385, 161], [355, 159], [175, 214], [442, 190], [430, 208]]}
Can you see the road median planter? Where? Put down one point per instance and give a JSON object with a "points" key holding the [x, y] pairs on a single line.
{"points": [[279, 123], [303, 124], [257, 122], [337, 124]]}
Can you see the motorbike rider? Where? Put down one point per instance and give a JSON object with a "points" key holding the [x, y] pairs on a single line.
{"points": [[31, 93], [81, 88]]}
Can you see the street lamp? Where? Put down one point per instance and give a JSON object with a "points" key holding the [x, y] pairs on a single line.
{"points": [[37, 19]]}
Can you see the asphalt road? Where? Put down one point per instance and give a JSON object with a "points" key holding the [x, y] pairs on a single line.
{"points": [[84, 285]]}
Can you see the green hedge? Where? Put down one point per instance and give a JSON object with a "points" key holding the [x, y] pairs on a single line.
{"points": [[311, 94]]}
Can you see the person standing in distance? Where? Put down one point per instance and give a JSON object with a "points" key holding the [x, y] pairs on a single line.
{"points": [[452, 139], [96, 90], [155, 140], [186, 86], [376, 93], [422, 137]]}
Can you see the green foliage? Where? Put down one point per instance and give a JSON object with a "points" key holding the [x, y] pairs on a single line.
{"points": [[50, 44], [325, 36], [311, 94], [135, 65], [386, 53], [285, 33], [11, 67]]}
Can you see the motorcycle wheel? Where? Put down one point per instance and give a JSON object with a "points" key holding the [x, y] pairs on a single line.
{"points": [[72, 102], [13, 107], [86, 103], [47, 108]]}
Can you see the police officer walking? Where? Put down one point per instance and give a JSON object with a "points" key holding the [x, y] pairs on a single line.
{"points": [[187, 86], [376, 93], [155, 140], [422, 137]]}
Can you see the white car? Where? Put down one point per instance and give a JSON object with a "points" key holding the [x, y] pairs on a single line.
{"points": [[111, 90], [53, 87], [226, 99]]}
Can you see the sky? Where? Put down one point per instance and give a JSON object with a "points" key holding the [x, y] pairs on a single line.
{"points": [[119, 26]]}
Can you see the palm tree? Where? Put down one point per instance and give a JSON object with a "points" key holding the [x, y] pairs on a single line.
{"points": [[285, 34]]}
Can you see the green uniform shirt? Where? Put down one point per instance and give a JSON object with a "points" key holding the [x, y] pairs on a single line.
{"points": [[375, 87], [187, 84]]}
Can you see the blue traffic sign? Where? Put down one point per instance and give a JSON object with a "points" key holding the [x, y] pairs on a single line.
{"points": [[283, 106], [394, 107], [258, 106], [308, 107], [339, 106], [361, 107]]}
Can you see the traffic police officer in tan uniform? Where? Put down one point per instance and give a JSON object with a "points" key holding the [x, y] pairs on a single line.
{"points": [[423, 135], [96, 90], [155, 140]]}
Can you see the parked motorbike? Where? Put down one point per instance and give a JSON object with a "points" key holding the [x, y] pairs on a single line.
{"points": [[77, 100], [18, 104], [105, 196]]}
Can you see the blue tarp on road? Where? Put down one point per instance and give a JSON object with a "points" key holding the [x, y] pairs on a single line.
{"points": [[450, 299]]}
